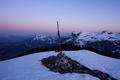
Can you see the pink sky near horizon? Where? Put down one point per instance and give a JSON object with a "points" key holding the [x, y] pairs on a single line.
{"points": [[73, 15], [52, 28]]}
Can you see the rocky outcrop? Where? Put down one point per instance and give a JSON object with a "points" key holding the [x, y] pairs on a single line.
{"points": [[63, 64]]}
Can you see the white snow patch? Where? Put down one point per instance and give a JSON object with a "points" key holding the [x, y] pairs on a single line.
{"points": [[96, 36], [30, 68]]}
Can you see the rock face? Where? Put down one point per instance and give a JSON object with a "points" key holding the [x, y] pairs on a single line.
{"points": [[63, 64]]}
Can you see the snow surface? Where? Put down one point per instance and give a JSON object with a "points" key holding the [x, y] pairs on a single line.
{"points": [[37, 37], [30, 68], [42, 37], [83, 37], [99, 36]]}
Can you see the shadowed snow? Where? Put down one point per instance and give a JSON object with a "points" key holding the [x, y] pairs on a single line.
{"points": [[30, 68]]}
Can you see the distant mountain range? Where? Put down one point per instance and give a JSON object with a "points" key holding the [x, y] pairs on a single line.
{"points": [[104, 43]]}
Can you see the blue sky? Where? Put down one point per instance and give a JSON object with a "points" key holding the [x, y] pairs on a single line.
{"points": [[73, 15]]}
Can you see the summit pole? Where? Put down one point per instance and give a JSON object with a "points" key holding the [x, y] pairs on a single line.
{"points": [[58, 33]]}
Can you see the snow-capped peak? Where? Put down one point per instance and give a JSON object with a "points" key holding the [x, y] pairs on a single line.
{"points": [[96, 36], [37, 37], [81, 38]]}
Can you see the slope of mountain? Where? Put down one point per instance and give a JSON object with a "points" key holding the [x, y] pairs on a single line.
{"points": [[18, 48], [82, 38], [39, 40], [30, 67], [104, 43]]}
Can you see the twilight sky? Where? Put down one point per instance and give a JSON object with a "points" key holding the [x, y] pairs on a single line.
{"points": [[73, 15]]}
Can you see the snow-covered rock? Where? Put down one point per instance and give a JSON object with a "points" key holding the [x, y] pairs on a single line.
{"points": [[47, 38], [83, 37], [30, 68]]}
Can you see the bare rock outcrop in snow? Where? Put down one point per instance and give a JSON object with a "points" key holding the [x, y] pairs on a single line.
{"points": [[63, 64]]}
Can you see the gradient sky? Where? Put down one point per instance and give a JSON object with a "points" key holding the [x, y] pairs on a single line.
{"points": [[73, 15]]}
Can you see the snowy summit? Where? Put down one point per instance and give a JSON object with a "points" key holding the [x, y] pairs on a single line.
{"points": [[30, 67]]}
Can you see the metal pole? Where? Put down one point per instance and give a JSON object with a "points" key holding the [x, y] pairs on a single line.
{"points": [[58, 33]]}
